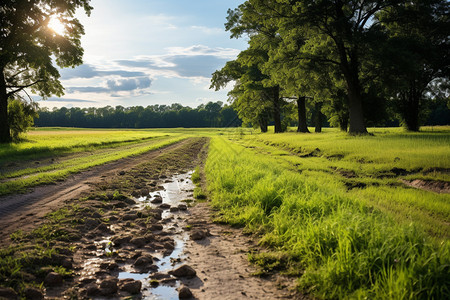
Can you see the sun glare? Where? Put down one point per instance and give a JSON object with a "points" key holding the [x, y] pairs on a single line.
{"points": [[56, 25]]}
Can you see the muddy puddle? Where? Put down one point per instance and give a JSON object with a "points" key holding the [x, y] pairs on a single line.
{"points": [[175, 192], [171, 200]]}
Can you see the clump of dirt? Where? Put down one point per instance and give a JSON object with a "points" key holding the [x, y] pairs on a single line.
{"points": [[429, 185], [315, 153]]}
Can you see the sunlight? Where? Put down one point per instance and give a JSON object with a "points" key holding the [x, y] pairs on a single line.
{"points": [[56, 25]]}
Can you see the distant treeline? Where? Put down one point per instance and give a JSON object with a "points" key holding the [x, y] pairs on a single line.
{"points": [[212, 114]]}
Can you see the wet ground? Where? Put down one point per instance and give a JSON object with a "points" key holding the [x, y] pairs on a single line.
{"points": [[116, 253], [136, 233]]}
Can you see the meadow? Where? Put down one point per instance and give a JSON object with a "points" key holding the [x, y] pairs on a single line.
{"points": [[333, 210]]}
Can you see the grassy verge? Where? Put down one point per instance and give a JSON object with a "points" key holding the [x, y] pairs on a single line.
{"points": [[51, 142], [314, 227], [59, 171], [370, 169]]}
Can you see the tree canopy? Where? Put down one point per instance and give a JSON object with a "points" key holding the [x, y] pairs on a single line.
{"points": [[30, 49], [358, 60], [212, 114]]}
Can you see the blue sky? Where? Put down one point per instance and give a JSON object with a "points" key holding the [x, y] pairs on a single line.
{"points": [[144, 52]]}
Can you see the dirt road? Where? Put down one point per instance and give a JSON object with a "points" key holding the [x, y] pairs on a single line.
{"points": [[156, 244], [25, 211]]}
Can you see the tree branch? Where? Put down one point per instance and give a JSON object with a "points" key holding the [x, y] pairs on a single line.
{"points": [[19, 88]]}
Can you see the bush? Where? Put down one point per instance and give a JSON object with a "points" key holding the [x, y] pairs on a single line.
{"points": [[21, 116]]}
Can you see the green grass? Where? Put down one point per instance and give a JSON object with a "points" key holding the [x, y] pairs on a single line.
{"points": [[344, 246], [58, 171], [388, 148], [364, 168], [329, 208], [57, 141]]}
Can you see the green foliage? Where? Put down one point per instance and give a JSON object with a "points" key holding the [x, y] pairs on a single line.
{"points": [[211, 114], [21, 116], [361, 59]]}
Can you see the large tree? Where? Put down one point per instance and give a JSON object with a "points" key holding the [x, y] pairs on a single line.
{"points": [[30, 49], [337, 32], [416, 57]]}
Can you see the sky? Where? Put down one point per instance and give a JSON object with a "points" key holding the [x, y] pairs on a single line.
{"points": [[146, 52]]}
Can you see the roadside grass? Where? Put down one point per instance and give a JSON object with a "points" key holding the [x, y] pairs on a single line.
{"points": [[426, 151], [313, 224], [52, 173], [81, 157], [375, 182], [50, 143]]}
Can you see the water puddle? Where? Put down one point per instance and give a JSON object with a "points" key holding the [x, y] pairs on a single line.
{"points": [[161, 292], [171, 200], [135, 276]]}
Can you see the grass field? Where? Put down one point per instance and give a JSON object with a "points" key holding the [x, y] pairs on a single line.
{"points": [[330, 209]]}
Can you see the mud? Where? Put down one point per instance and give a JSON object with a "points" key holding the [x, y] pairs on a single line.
{"points": [[136, 231]]}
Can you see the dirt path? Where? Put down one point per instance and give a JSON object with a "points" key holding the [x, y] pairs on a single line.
{"points": [[24, 211], [123, 246], [223, 270]]}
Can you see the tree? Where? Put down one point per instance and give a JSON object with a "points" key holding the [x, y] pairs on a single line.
{"points": [[416, 58], [249, 97], [263, 39], [336, 32], [30, 49]]}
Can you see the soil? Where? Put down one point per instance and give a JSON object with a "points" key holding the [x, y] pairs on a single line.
{"points": [[132, 228], [221, 261], [429, 185], [26, 211]]}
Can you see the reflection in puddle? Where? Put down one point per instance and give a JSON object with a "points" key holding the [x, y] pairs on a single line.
{"points": [[169, 262], [104, 245], [162, 293], [174, 192], [174, 196], [135, 276]]}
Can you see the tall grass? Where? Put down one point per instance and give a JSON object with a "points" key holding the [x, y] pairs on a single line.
{"points": [[367, 171], [45, 142], [55, 172], [388, 148], [344, 248]]}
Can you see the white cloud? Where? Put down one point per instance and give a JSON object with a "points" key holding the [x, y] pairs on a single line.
{"points": [[208, 30], [120, 79]]}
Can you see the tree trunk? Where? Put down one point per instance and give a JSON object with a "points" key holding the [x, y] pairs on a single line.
{"points": [[5, 134], [318, 117], [343, 123], [411, 108], [350, 70], [276, 109], [301, 108], [262, 120], [356, 116], [357, 125]]}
